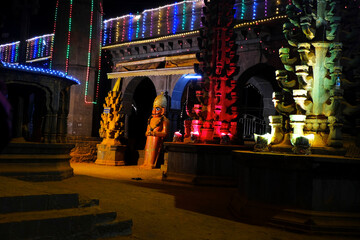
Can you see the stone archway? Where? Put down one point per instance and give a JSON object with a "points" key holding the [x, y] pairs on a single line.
{"points": [[137, 102], [257, 83], [179, 96]]}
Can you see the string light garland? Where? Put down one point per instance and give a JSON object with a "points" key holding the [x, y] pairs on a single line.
{"points": [[254, 10], [105, 34], [137, 25], [39, 47], [246, 24], [201, 14], [151, 24], [117, 31], [152, 40], [192, 15], [278, 2], [175, 22], [130, 27], [242, 9], [99, 61], [68, 38], [167, 20], [144, 25], [89, 52], [39, 70], [123, 31], [9, 52], [265, 8], [54, 29], [184, 16], [159, 22]]}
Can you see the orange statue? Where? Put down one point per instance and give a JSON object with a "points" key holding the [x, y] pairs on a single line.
{"points": [[157, 129]]}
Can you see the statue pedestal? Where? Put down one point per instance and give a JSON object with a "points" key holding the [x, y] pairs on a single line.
{"points": [[113, 155]]}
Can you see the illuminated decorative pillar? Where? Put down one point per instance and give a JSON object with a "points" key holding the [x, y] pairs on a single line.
{"points": [[218, 64], [76, 45], [313, 100]]}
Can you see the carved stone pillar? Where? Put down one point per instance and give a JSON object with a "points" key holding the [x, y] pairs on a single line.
{"points": [[335, 135], [277, 133]]}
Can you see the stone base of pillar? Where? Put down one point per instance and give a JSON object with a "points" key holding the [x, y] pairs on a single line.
{"points": [[113, 155], [313, 193]]}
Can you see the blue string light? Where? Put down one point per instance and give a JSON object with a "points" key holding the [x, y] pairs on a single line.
{"points": [[39, 70], [35, 49], [192, 15], [130, 26], [144, 25], [175, 22], [254, 10], [105, 33]]}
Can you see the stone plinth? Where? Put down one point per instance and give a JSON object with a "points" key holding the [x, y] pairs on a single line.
{"points": [[111, 154], [314, 193], [203, 164], [36, 161]]}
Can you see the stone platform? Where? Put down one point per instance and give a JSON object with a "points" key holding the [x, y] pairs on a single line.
{"points": [[36, 161], [311, 193], [202, 164]]}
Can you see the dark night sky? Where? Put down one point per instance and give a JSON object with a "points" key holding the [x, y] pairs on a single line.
{"points": [[42, 21]]}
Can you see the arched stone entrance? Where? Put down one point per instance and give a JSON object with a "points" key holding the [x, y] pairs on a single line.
{"points": [[137, 102], [183, 91], [255, 88]]}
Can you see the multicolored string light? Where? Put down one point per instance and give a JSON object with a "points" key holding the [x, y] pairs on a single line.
{"points": [[9, 52], [89, 52], [99, 61], [54, 29], [196, 32], [68, 38]]}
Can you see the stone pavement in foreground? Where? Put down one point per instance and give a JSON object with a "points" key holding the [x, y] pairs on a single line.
{"points": [[162, 210]]}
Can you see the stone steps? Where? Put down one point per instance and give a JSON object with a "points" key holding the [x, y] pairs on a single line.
{"points": [[86, 223], [36, 211], [38, 202]]}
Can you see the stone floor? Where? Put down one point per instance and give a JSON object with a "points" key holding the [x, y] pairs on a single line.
{"points": [[162, 210]]}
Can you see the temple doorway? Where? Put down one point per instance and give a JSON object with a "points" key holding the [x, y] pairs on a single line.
{"points": [[255, 88], [138, 100]]}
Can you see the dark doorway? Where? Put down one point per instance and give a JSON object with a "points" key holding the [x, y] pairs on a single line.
{"points": [[143, 98], [251, 101], [29, 109]]}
